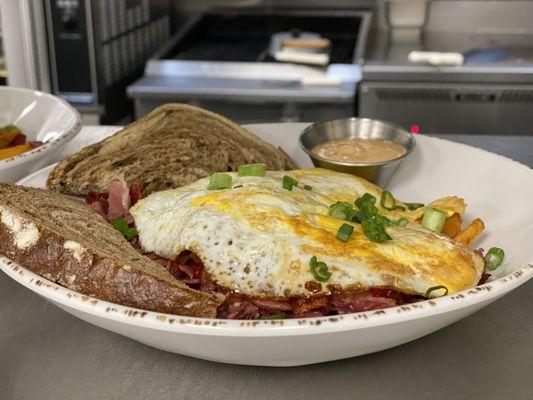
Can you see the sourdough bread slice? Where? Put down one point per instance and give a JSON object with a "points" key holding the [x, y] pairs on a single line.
{"points": [[65, 241], [174, 145]]}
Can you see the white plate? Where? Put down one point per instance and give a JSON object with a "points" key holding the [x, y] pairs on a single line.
{"points": [[497, 189], [42, 117]]}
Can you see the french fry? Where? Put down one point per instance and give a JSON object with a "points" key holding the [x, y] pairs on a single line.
{"points": [[472, 231], [14, 151], [7, 137], [452, 225]]}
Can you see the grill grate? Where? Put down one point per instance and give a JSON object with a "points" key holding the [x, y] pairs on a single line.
{"points": [[226, 49], [246, 37]]}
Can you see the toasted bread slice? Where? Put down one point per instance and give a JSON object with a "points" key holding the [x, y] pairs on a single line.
{"points": [[174, 145], [63, 240]]}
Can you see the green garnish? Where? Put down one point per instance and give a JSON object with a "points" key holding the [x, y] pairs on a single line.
{"points": [[121, 225], [252, 170], [439, 287], [219, 180], [319, 270], [367, 204], [494, 258], [358, 217], [275, 316], [372, 223], [308, 187], [387, 201], [341, 210], [434, 219], [344, 232], [374, 229], [382, 220], [402, 222], [414, 206], [238, 186], [9, 128], [288, 182]]}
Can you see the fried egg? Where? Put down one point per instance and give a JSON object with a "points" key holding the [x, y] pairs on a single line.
{"points": [[258, 238]]}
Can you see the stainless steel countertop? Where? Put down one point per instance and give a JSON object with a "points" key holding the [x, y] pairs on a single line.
{"points": [[46, 353], [257, 82], [386, 58], [256, 91]]}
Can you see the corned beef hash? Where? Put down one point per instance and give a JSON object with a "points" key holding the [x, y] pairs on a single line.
{"points": [[300, 243]]}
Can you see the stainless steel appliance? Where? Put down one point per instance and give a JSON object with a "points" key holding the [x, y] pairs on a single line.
{"points": [[84, 51], [490, 93], [222, 60], [98, 47]]}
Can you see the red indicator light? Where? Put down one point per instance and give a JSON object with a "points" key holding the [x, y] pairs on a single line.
{"points": [[415, 129]]}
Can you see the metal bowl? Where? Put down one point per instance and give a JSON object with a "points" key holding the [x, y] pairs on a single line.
{"points": [[379, 173]]}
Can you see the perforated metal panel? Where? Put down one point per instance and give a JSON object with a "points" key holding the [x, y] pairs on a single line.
{"points": [[128, 36], [98, 47], [450, 108], [517, 96], [404, 94]]}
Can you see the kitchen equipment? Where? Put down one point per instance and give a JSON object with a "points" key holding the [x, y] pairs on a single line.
{"points": [[364, 128], [41, 117], [98, 47], [84, 51], [224, 60], [491, 92]]}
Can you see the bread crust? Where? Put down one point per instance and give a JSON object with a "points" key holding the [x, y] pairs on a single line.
{"points": [[96, 274]]}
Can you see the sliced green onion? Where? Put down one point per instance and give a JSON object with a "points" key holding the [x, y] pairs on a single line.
{"points": [[10, 127], [341, 210], [367, 204], [387, 201], [219, 180], [434, 219], [121, 225], [319, 270], [238, 186], [414, 206], [439, 287], [252, 170], [307, 187], [344, 232], [382, 220], [275, 316], [374, 230], [288, 182], [130, 234], [358, 217], [402, 222], [494, 258]]}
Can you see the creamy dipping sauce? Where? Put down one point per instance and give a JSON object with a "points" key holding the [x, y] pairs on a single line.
{"points": [[357, 150]]}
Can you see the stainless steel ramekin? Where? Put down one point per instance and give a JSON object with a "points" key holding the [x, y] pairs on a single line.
{"points": [[379, 173]]}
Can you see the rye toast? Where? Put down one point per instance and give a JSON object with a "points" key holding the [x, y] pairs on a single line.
{"points": [[64, 241]]}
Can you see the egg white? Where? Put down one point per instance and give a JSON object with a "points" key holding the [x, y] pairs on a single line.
{"points": [[258, 239]]}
